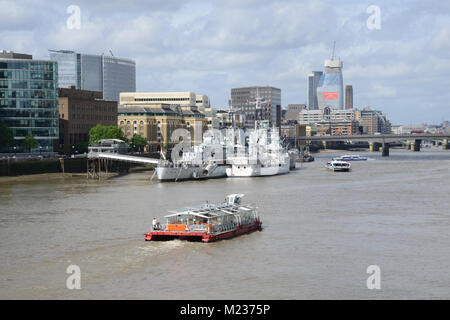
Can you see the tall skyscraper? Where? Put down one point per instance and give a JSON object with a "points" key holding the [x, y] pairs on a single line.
{"points": [[29, 100], [348, 97], [243, 102], [311, 90], [330, 91], [107, 74]]}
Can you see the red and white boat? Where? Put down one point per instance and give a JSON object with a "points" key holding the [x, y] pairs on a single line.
{"points": [[208, 222]]}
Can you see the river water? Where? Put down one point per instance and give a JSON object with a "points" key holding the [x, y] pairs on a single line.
{"points": [[321, 232]]}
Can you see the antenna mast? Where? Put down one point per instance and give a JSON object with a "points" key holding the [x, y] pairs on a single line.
{"points": [[332, 54]]}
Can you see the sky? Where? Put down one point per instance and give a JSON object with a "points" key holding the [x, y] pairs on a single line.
{"points": [[397, 58]]}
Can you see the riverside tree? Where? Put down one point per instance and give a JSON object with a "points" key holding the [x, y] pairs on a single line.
{"points": [[30, 142], [138, 142], [100, 132]]}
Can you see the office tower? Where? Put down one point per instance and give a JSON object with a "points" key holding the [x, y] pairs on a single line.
{"points": [[107, 74], [348, 97], [29, 100], [244, 103], [311, 90], [330, 89]]}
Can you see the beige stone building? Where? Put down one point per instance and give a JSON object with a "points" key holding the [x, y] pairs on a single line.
{"points": [[155, 115], [157, 122]]}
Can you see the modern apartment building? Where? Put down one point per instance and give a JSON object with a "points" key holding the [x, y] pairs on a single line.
{"points": [[29, 100], [79, 111], [373, 121], [243, 103], [107, 74], [327, 114]]}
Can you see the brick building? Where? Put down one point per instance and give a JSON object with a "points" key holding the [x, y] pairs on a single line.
{"points": [[79, 111]]}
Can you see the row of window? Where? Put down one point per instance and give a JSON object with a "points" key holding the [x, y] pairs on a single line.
{"points": [[26, 104], [36, 132], [91, 108], [30, 84], [33, 113], [29, 65], [28, 123], [162, 99], [77, 116], [26, 94], [27, 75]]}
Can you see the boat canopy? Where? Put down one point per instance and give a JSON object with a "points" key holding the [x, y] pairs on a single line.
{"points": [[213, 211]]}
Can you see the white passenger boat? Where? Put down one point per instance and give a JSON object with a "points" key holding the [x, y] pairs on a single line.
{"points": [[337, 165], [351, 157]]}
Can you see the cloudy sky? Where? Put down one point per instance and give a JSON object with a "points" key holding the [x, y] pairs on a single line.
{"points": [[208, 47]]}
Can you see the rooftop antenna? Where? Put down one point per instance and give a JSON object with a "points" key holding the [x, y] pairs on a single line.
{"points": [[332, 54]]}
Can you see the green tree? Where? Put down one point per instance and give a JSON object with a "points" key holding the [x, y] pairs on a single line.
{"points": [[6, 136], [138, 143], [30, 142], [100, 132]]}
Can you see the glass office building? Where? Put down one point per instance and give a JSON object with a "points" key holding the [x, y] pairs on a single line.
{"points": [[107, 74], [311, 90], [330, 90], [29, 100]]}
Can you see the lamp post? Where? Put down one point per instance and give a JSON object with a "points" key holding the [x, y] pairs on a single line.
{"points": [[40, 149], [15, 150]]}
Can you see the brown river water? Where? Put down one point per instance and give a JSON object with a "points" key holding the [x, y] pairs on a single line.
{"points": [[321, 232]]}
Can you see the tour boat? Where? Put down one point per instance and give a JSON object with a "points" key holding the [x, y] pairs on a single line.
{"points": [[337, 165], [351, 157], [208, 222]]}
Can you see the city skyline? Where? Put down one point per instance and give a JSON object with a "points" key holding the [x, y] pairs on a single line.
{"points": [[213, 47]]}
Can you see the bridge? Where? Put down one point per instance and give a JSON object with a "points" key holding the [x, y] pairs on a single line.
{"points": [[413, 141]]}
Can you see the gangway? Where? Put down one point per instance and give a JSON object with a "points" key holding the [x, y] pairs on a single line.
{"points": [[122, 157], [99, 160]]}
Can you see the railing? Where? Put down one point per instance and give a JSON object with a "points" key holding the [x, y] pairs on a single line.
{"points": [[197, 227]]}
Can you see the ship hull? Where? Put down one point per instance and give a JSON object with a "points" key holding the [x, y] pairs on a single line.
{"points": [[167, 174], [199, 236], [256, 170]]}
